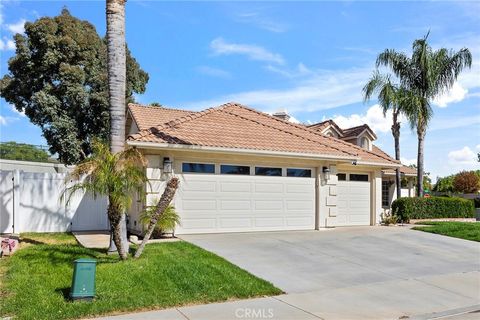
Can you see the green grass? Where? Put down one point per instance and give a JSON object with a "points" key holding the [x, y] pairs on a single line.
{"points": [[36, 280], [462, 230]]}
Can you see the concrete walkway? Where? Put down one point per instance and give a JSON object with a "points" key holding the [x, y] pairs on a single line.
{"points": [[93, 239], [346, 273]]}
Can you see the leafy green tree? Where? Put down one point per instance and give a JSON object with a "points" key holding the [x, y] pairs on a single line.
{"points": [[58, 78], [444, 184], [427, 74], [115, 175], [22, 151]]}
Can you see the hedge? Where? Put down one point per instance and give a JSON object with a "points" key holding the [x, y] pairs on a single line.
{"points": [[432, 208]]}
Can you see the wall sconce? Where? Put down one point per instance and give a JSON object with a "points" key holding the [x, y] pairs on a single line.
{"points": [[326, 173], [167, 165]]}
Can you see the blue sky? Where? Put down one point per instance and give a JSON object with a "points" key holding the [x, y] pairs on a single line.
{"points": [[310, 58]]}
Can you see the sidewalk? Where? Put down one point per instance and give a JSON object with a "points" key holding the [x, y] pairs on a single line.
{"points": [[260, 308]]}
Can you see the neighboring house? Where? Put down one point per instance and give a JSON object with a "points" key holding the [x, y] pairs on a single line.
{"points": [[244, 170]]}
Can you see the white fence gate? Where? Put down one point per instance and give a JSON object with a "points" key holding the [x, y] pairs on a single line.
{"points": [[31, 202]]}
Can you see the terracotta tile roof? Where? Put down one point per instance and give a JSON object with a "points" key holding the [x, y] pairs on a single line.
{"points": [[149, 116], [242, 127], [320, 125]]}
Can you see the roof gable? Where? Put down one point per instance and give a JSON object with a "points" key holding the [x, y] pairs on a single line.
{"points": [[245, 128], [150, 116]]}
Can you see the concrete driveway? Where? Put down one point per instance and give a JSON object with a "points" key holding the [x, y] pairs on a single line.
{"points": [[359, 273]]}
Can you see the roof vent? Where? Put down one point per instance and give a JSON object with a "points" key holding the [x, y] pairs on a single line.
{"points": [[281, 115]]}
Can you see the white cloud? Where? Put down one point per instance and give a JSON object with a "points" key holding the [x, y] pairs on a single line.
{"points": [[464, 156], [18, 27], [477, 147], [407, 161], [7, 44], [456, 94], [373, 117], [300, 71], [214, 72], [323, 89], [220, 47], [259, 20], [3, 120]]}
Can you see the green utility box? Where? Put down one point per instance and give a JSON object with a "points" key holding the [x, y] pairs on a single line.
{"points": [[83, 282]]}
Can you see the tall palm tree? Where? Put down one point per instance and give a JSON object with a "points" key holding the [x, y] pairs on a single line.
{"points": [[427, 74], [390, 97], [117, 75], [114, 175]]}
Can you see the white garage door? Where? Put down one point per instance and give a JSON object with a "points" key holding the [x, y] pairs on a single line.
{"points": [[353, 199], [209, 203]]}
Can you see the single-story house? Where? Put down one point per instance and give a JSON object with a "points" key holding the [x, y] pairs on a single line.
{"points": [[243, 170]]}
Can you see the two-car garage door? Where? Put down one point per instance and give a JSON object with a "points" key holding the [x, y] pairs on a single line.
{"points": [[210, 203]]}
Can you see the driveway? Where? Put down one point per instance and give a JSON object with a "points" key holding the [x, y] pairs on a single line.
{"points": [[365, 273]]}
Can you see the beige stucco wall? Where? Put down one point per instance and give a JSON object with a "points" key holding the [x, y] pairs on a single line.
{"points": [[326, 190]]}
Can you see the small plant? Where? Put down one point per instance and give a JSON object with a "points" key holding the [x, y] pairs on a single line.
{"points": [[165, 224], [388, 218]]}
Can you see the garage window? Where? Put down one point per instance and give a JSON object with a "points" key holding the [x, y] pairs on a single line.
{"points": [[198, 167], [358, 177], [232, 169], [266, 171], [342, 176], [292, 172]]}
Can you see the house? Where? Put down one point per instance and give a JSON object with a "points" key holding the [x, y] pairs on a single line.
{"points": [[243, 170]]}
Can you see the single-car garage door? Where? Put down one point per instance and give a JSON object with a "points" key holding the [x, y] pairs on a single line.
{"points": [[209, 203], [353, 199]]}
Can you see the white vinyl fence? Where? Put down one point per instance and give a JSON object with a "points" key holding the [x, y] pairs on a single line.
{"points": [[31, 202]]}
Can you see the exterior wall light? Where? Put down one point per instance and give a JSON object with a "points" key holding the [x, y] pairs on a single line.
{"points": [[167, 165], [326, 173]]}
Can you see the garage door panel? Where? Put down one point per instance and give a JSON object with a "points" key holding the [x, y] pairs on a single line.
{"points": [[268, 205], [235, 187], [353, 206], [239, 223], [245, 203], [268, 187], [272, 222]]}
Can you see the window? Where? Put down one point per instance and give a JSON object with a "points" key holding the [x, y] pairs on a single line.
{"points": [[385, 193], [198, 167], [364, 143], [292, 172], [265, 171], [358, 177], [231, 169], [342, 176]]}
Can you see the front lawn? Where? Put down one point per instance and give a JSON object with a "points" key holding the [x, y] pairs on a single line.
{"points": [[36, 280], [462, 230]]}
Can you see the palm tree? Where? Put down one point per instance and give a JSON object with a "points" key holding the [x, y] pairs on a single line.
{"points": [[426, 74], [115, 175], [390, 97], [117, 74]]}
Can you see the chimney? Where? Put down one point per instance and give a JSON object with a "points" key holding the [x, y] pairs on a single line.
{"points": [[281, 115]]}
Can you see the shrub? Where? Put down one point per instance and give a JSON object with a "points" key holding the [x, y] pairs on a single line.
{"points": [[466, 182], [166, 223], [432, 208], [388, 218]]}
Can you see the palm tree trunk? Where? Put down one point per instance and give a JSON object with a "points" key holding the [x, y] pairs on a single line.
{"points": [[165, 200], [396, 137], [421, 130], [115, 218], [117, 75]]}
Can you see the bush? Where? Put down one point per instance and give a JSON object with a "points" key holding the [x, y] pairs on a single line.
{"points": [[466, 182], [165, 224], [432, 208]]}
